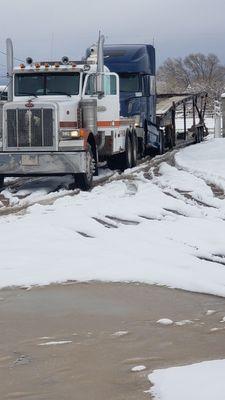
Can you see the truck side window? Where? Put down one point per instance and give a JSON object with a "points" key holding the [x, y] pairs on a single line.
{"points": [[91, 85], [110, 85]]}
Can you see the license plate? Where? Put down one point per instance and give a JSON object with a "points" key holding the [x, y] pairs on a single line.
{"points": [[29, 160]]}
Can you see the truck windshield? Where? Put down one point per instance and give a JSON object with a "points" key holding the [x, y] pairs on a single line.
{"points": [[45, 84], [129, 82]]}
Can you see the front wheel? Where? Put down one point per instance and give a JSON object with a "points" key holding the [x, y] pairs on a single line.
{"points": [[84, 181]]}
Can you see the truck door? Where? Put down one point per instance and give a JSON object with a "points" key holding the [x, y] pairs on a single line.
{"points": [[108, 107]]}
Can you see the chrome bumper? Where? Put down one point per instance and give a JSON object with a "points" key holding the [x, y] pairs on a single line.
{"points": [[39, 163]]}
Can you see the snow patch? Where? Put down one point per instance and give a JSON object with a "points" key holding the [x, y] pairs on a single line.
{"points": [[210, 312], [174, 223], [203, 381], [184, 322], [54, 343], [120, 333], [138, 368], [165, 321]]}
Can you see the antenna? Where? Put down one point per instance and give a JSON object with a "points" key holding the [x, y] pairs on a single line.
{"points": [[51, 46], [9, 57]]}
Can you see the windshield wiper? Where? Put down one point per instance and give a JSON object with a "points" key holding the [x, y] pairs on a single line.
{"points": [[66, 94], [28, 94]]}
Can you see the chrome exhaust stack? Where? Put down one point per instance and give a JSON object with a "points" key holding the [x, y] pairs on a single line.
{"points": [[9, 57], [100, 65]]}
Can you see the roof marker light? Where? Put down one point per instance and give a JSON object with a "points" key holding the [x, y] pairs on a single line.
{"points": [[22, 66], [37, 65]]}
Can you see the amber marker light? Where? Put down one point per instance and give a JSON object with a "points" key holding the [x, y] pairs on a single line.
{"points": [[37, 65], [22, 66], [83, 133]]}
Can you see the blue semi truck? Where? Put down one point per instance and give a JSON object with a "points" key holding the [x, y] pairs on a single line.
{"points": [[136, 66], [154, 113]]}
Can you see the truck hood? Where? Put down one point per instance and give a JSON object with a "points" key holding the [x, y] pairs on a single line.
{"points": [[66, 108]]}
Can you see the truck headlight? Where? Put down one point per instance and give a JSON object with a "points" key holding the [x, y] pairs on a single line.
{"points": [[75, 134], [70, 134]]}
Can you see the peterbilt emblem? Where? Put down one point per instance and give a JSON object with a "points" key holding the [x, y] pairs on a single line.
{"points": [[29, 104]]}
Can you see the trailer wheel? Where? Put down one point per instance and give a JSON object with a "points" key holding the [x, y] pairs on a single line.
{"points": [[196, 136], [126, 157], [201, 134], [84, 181], [1, 181]]}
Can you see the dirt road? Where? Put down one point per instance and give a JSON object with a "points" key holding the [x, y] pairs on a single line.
{"points": [[80, 341]]}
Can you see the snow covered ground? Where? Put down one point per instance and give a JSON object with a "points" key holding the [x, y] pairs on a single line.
{"points": [[159, 224], [203, 381]]}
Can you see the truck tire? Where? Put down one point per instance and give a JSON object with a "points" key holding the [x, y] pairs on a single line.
{"points": [[114, 162], [161, 143], [134, 149], [126, 156], [201, 134], [84, 181], [196, 136], [142, 147], [1, 181]]}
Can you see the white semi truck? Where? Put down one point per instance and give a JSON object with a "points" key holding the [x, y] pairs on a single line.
{"points": [[63, 117]]}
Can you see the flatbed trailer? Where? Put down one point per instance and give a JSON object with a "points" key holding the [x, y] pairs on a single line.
{"points": [[189, 106]]}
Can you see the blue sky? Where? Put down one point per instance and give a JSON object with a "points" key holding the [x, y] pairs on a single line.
{"points": [[47, 29]]}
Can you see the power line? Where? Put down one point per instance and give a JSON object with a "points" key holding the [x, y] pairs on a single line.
{"points": [[17, 59]]}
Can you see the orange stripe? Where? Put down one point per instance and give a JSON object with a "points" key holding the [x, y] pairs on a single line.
{"points": [[68, 124], [105, 124], [101, 124]]}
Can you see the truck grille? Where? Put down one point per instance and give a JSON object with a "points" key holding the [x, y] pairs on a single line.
{"points": [[30, 128]]}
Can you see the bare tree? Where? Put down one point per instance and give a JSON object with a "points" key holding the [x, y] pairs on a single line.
{"points": [[196, 72]]}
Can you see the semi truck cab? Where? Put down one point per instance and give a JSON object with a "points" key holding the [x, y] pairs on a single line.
{"points": [[135, 65]]}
